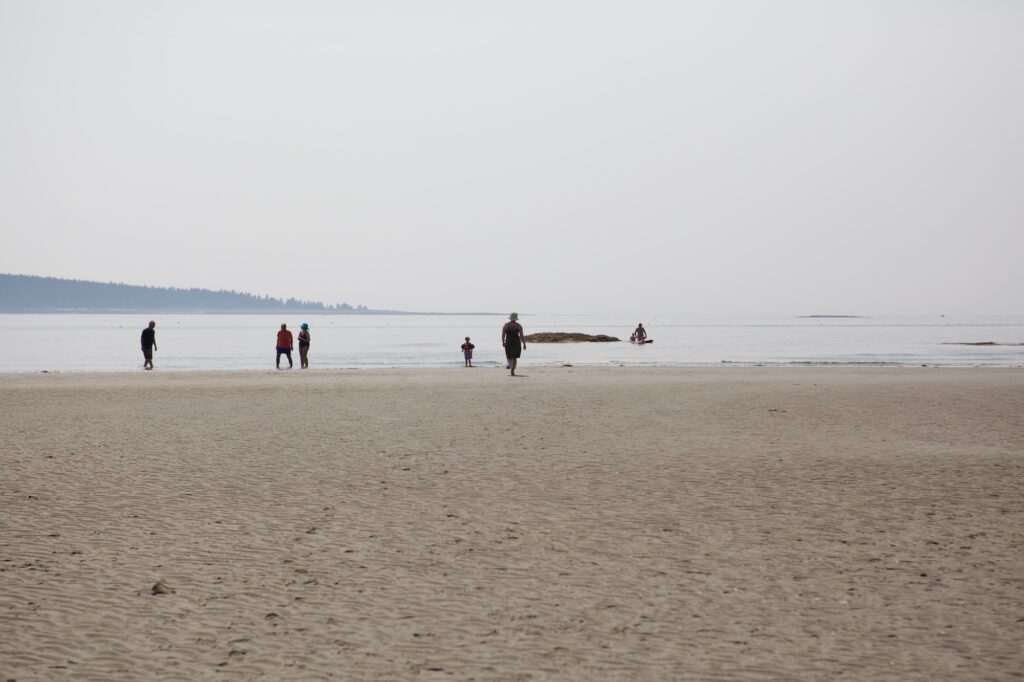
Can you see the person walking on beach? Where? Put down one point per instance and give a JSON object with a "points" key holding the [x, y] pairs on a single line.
{"points": [[513, 340], [284, 345], [148, 344], [467, 352], [303, 346]]}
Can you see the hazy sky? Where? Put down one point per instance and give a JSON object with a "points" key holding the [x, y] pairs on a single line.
{"points": [[694, 157]]}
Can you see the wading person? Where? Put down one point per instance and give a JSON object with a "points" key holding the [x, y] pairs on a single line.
{"points": [[284, 345], [148, 344], [467, 352], [304, 346], [513, 340]]}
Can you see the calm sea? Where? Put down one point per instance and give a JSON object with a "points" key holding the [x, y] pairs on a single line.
{"points": [[108, 342]]}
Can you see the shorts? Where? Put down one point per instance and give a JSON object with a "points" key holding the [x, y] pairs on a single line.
{"points": [[147, 352], [284, 351], [468, 354]]}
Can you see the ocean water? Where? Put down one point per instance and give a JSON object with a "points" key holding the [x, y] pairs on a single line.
{"points": [[110, 342]]}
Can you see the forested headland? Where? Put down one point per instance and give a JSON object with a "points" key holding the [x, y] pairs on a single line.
{"points": [[31, 294]]}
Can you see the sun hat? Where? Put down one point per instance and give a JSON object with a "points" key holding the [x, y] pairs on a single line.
{"points": [[514, 316], [305, 325]]}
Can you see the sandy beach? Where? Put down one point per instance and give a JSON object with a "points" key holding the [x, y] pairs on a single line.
{"points": [[459, 524]]}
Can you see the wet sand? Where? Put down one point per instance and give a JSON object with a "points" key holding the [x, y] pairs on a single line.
{"points": [[628, 524]]}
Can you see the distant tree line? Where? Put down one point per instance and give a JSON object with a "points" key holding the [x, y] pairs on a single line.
{"points": [[25, 293]]}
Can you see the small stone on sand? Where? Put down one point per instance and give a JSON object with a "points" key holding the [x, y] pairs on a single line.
{"points": [[161, 588]]}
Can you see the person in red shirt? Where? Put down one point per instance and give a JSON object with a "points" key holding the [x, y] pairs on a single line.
{"points": [[284, 345]]}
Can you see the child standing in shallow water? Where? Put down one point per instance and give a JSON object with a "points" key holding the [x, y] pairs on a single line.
{"points": [[467, 352]]}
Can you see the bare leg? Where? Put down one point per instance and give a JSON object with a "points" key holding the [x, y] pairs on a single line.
{"points": [[278, 361]]}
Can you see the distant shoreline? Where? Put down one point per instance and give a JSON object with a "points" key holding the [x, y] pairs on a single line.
{"points": [[237, 312], [35, 295]]}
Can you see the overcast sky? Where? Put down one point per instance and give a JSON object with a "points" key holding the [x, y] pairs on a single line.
{"points": [[688, 157]]}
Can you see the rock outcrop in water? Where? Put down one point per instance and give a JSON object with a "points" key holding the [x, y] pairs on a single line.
{"points": [[568, 337]]}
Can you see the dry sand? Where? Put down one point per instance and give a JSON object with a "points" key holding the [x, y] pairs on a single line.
{"points": [[719, 524]]}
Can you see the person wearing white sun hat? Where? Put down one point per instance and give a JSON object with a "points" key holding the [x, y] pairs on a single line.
{"points": [[514, 341]]}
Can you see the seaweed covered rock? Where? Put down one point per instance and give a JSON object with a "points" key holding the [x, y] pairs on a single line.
{"points": [[568, 337]]}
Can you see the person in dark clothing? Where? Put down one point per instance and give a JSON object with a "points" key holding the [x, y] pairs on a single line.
{"points": [[467, 352], [304, 346], [148, 344], [514, 341]]}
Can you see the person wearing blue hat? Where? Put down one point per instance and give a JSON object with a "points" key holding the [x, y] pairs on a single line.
{"points": [[304, 346]]}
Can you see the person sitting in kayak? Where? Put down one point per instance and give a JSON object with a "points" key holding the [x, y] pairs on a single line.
{"points": [[640, 335]]}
